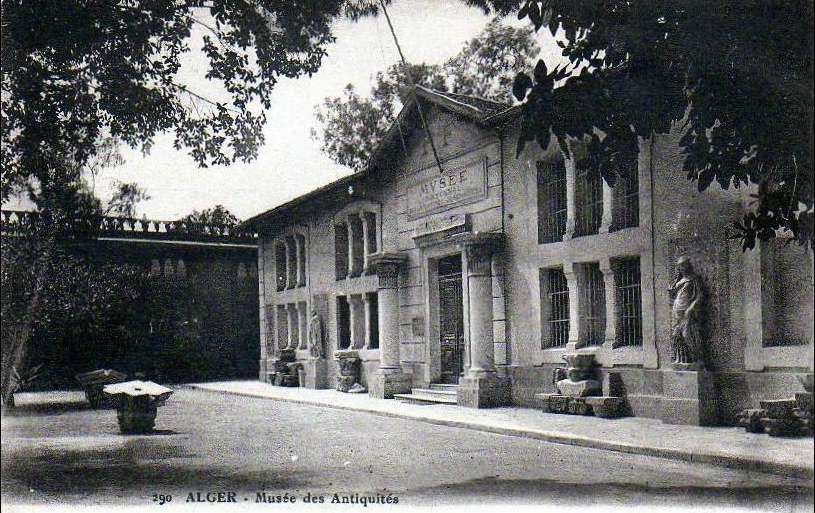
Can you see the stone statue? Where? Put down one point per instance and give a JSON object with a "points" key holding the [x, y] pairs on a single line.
{"points": [[315, 335], [686, 325]]}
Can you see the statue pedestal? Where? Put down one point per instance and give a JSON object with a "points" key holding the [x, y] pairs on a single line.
{"points": [[316, 373], [483, 391], [387, 382], [688, 397]]}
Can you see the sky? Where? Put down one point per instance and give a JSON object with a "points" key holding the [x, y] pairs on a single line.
{"points": [[291, 163]]}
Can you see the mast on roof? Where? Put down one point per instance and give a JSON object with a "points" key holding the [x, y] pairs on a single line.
{"points": [[412, 89]]}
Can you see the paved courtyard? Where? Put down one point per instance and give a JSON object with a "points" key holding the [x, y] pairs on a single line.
{"points": [[55, 449]]}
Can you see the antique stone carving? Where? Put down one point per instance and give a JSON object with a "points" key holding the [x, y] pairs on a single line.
{"points": [[687, 292], [315, 335]]}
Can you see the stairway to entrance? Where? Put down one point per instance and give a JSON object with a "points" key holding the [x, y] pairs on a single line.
{"points": [[436, 394]]}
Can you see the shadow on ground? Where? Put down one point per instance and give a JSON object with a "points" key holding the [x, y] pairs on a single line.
{"points": [[496, 490], [47, 408]]}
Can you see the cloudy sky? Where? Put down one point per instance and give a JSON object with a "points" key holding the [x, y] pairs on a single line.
{"points": [[291, 163]]}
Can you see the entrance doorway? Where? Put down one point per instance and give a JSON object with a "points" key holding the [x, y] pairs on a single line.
{"points": [[451, 319]]}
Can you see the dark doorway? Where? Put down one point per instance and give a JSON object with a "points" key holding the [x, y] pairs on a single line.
{"points": [[451, 319]]}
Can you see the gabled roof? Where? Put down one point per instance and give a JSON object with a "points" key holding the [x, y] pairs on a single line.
{"points": [[483, 112]]}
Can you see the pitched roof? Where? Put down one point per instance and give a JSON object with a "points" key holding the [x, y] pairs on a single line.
{"points": [[486, 113]]}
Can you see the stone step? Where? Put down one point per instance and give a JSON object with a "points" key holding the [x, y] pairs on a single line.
{"points": [[427, 395], [443, 386]]}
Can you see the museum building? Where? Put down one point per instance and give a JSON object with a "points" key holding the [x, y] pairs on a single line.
{"points": [[467, 277]]}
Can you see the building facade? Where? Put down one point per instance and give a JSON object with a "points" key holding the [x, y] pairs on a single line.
{"points": [[481, 269]]}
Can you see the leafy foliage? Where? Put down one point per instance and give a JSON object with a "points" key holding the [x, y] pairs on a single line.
{"points": [[736, 77], [353, 125], [75, 72], [216, 216]]}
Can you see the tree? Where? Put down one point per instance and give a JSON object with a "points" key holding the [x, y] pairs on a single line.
{"points": [[216, 216], [737, 77], [77, 71], [353, 125]]}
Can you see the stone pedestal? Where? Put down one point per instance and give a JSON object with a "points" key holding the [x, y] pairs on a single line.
{"points": [[316, 373], [487, 390], [385, 383], [688, 397]]}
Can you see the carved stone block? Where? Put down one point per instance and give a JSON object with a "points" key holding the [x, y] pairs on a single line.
{"points": [[778, 408], [578, 406], [344, 383], [287, 355], [581, 388], [607, 407], [750, 420], [803, 400]]}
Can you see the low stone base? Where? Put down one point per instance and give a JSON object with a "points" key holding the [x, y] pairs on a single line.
{"points": [[383, 385], [582, 388], [344, 383], [689, 397], [487, 391], [316, 373], [607, 407], [262, 369]]}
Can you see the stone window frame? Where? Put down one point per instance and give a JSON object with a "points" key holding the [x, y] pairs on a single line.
{"points": [[757, 356], [371, 241], [294, 241], [609, 353], [612, 197]]}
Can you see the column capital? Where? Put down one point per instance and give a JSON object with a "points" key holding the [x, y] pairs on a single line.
{"points": [[387, 267]]}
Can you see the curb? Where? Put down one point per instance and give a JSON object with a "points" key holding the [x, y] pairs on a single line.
{"points": [[719, 460]]}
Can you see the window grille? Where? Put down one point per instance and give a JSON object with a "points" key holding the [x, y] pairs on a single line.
{"points": [[551, 201], [626, 209], [588, 201], [341, 250], [558, 309], [629, 302], [594, 305]]}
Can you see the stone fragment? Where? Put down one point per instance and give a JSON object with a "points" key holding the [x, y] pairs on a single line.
{"points": [[581, 388], [782, 427], [578, 406], [750, 420], [606, 407], [613, 385], [778, 408], [287, 355], [356, 388], [803, 401], [344, 383]]}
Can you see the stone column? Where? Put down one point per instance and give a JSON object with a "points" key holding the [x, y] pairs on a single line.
{"points": [[481, 387], [571, 211], [293, 334], [389, 379], [365, 231], [302, 325], [611, 304], [300, 243], [366, 299], [608, 208], [353, 233], [575, 329], [355, 319]]}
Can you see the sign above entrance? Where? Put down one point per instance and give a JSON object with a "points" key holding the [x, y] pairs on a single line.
{"points": [[440, 223], [454, 187]]}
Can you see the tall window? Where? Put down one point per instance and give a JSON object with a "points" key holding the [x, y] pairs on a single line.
{"points": [[626, 207], [373, 320], [629, 302], [551, 200], [557, 295], [343, 322], [593, 316], [341, 250], [588, 186], [281, 268]]}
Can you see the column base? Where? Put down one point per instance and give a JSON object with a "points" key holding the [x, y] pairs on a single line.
{"points": [[385, 383], [486, 390], [689, 397], [316, 373]]}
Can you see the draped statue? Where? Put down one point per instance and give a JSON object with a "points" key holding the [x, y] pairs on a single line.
{"points": [[687, 316], [315, 335]]}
